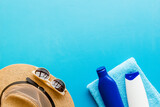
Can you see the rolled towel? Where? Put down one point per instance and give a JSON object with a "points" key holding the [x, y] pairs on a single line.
{"points": [[118, 74]]}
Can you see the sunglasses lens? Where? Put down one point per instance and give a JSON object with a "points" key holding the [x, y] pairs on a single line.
{"points": [[42, 73], [58, 84]]}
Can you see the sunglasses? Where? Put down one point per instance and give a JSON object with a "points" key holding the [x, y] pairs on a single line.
{"points": [[56, 84]]}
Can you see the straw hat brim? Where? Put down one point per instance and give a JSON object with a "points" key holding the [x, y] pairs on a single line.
{"points": [[19, 72]]}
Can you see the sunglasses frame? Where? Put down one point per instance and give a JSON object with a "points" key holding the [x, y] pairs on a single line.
{"points": [[49, 83]]}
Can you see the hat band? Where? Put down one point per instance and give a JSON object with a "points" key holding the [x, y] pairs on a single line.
{"points": [[29, 81]]}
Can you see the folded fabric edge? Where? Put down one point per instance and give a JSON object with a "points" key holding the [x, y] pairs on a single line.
{"points": [[91, 83]]}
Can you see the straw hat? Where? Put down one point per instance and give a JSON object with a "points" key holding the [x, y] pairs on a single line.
{"points": [[27, 95]]}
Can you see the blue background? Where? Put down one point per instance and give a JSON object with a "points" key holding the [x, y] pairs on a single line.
{"points": [[71, 38]]}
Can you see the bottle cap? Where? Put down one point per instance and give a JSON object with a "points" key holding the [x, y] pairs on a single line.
{"points": [[102, 68]]}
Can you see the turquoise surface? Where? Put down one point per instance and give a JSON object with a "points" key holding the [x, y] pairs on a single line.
{"points": [[71, 38]]}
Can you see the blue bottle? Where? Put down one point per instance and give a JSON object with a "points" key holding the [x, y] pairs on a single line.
{"points": [[108, 89]]}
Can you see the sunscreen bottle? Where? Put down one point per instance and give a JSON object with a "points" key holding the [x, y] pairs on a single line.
{"points": [[108, 89], [136, 93]]}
